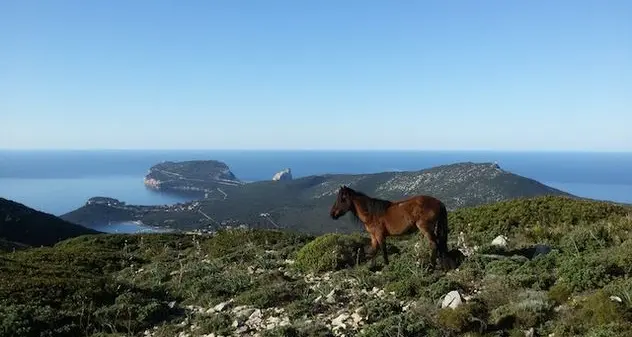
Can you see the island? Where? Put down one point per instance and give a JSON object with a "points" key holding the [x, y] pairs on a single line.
{"points": [[303, 203]]}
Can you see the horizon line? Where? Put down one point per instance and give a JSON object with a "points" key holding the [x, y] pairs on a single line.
{"points": [[314, 150]]}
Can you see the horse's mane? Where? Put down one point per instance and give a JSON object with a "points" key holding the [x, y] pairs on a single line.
{"points": [[373, 206]]}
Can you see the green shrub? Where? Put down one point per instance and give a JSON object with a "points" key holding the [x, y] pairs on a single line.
{"points": [[584, 272], [559, 293], [271, 295], [528, 309], [470, 316], [237, 241], [597, 315], [218, 323], [410, 323], [332, 252]]}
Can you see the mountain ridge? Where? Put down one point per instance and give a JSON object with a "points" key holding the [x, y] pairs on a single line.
{"points": [[21, 226]]}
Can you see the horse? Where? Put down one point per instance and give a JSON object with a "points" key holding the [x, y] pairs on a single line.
{"points": [[383, 218]]}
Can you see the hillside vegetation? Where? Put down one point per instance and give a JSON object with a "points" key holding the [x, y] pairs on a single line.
{"points": [[566, 269], [22, 226], [303, 204]]}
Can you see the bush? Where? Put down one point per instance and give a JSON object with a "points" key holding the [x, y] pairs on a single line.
{"points": [[595, 315], [529, 309], [470, 316], [332, 252]]}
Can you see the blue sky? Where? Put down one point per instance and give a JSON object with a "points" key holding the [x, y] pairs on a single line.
{"points": [[501, 75]]}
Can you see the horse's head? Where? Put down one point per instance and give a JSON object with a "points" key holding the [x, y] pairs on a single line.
{"points": [[343, 203]]}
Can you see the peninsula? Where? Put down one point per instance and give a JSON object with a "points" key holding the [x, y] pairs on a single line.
{"points": [[302, 203], [206, 177]]}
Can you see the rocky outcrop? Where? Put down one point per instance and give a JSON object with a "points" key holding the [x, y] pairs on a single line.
{"points": [[283, 175]]}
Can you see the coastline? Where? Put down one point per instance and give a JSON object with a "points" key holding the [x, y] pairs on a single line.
{"points": [[132, 226]]}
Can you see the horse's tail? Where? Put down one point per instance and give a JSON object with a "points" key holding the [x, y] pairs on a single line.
{"points": [[441, 231]]}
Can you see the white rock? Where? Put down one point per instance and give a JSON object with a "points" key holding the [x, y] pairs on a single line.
{"points": [[616, 299], [285, 174], [356, 317], [256, 314], [339, 321], [530, 333], [452, 300], [222, 305], [331, 297], [500, 241]]}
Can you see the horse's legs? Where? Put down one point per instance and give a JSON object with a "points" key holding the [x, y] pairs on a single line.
{"points": [[432, 240], [373, 251], [381, 240]]}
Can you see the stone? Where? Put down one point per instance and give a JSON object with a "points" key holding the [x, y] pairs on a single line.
{"points": [[339, 321], [222, 305], [616, 299], [283, 175], [331, 297], [500, 241], [452, 300]]}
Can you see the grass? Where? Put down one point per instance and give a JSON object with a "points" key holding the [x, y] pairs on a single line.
{"points": [[290, 284]]}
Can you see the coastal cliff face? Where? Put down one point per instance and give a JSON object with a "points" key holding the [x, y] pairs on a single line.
{"points": [[195, 175]]}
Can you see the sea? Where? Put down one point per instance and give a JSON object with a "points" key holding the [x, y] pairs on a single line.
{"points": [[59, 181]]}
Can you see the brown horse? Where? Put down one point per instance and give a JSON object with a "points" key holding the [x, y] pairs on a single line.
{"points": [[384, 218]]}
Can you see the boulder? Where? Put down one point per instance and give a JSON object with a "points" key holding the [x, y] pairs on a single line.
{"points": [[452, 300], [500, 241]]}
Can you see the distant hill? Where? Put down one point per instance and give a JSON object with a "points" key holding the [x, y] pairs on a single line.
{"points": [[21, 225], [303, 203]]}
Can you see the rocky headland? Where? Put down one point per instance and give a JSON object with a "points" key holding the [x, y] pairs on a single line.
{"points": [[202, 176]]}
